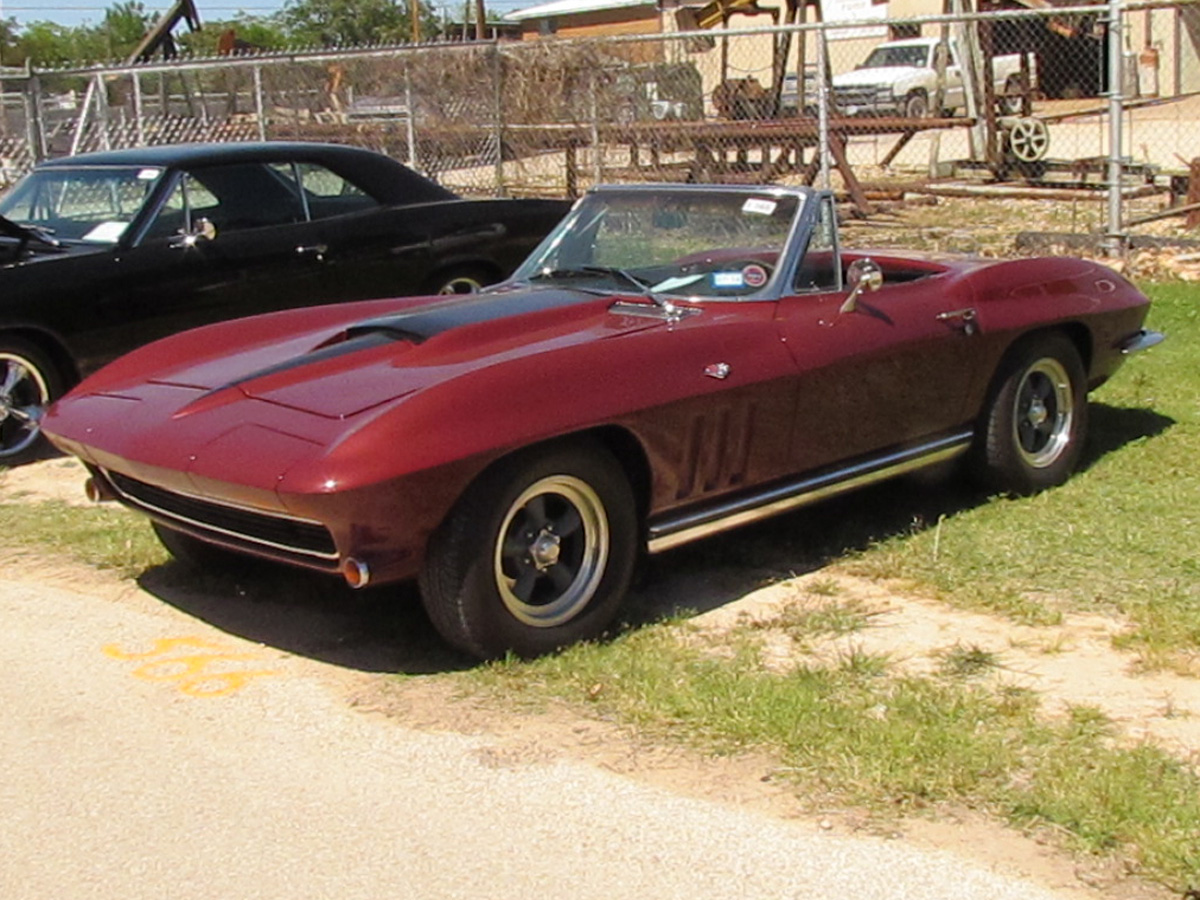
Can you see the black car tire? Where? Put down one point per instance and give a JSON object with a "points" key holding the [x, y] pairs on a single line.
{"points": [[463, 280], [1036, 422], [29, 382], [537, 554]]}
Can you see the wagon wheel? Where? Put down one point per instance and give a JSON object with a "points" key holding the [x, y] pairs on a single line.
{"points": [[1029, 139]]}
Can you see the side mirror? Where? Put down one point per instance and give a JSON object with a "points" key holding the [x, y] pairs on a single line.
{"points": [[863, 275], [202, 230]]}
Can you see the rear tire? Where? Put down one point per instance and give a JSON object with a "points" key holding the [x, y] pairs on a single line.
{"points": [[537, 554], [463, 280], [1036, 421]]}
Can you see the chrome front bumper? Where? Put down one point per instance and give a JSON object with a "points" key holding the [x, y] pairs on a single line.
{"points": [[1141, 340]]}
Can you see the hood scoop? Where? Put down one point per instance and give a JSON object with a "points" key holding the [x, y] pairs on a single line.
{"points": [[430, 321]]}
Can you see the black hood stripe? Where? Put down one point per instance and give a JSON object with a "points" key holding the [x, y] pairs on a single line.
{"points": [[431, 321], [420, 326]]}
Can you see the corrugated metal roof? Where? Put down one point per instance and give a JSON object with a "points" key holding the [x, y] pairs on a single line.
{"points": [[570, 7]]}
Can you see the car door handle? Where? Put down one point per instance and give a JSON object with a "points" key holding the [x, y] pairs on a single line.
{"points": [[317, 250], [963, 318]]}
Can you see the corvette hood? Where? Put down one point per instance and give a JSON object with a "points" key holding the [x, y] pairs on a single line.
{"points": [[335, 362]]}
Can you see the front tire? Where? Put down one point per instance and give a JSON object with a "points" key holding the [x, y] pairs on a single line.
{"points": [[197, 554], [916, 105], [29, 382], [1036, 422], [536, 555]]}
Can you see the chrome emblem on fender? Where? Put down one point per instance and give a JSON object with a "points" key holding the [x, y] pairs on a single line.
{"points": [[720, 371]]}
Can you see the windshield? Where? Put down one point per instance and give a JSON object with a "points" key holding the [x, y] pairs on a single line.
{"points": [[86, 204], [672, 241], [911, 55]]}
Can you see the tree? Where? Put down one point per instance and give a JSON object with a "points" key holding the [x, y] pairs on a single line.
{"points": [[9, 43], [47, 45], [344, 23], [254, 31]]}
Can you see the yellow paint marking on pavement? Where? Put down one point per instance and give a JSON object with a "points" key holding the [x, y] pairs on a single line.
{"points": [[196, 674]]}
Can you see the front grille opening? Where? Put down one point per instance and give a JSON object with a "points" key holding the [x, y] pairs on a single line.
{"points": [[261, 532]]}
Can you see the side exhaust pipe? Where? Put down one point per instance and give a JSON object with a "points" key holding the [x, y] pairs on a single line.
{"points": [[97, 490]]}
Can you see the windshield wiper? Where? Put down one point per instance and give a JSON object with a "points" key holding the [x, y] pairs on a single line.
{"points": [[589, 271], [643, 288], [27, 233]]}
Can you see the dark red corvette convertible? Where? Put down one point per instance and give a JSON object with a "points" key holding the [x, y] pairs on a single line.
{"points": [[671, 362]]}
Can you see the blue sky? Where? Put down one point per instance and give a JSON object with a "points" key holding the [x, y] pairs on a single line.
{"points": [[77, 12]]}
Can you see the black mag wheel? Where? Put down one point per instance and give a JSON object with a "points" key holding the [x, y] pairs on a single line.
{"points": [[553, 548], [1037, 420], [463, 280], [537, 554], [28, 384]]}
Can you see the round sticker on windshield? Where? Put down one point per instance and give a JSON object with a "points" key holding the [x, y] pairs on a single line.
{"points": [[754, 276]]}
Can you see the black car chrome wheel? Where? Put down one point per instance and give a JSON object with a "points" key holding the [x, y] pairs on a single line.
{"points": [[537, 554], [28, 383], [1036, 421], [463, 280]]}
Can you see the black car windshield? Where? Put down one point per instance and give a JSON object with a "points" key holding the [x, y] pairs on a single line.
{"points": [[683, 242], [94, 205]]}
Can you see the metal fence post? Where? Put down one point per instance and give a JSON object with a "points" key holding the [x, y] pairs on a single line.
{"points": [[35, 133], [139, 114], [1116, 87], [498, 117], [259, 106], [822, 104]]}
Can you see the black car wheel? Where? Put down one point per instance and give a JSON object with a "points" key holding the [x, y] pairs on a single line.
{"points": [[1037, 420], [468, 280], [28, 383], [537, 554]]}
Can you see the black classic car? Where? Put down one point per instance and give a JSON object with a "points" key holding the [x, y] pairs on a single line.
{"points": [[104, 252]]}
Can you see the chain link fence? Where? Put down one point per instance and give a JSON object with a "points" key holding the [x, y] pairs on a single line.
{"points": [[1085, 118]]}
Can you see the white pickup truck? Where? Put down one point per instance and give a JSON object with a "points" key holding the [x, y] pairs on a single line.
{"points": [[900, 78]]}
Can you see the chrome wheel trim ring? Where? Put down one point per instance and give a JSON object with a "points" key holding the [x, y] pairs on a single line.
{"points": [[546, 578], [1043, 413], [461, 285], [24, 396]]}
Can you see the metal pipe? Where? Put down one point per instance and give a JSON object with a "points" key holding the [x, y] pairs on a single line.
{"points": [[1116, 73]]}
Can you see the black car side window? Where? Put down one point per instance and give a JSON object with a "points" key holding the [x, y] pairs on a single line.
{"points": [[241, 196], [329, 194]]}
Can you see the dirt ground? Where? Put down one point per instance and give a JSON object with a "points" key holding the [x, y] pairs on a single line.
{"points": [[1072, 663]]}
